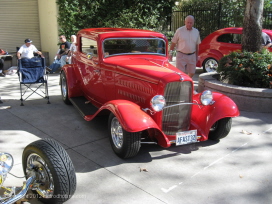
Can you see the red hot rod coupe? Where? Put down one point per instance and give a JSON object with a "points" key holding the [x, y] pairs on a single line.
{"points": [[125, 73]]}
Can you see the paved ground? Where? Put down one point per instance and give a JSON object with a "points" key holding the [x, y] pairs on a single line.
{"points": [[236, 170]]}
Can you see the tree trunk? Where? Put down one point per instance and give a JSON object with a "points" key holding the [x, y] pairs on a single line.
{"points": [[252, 28]]}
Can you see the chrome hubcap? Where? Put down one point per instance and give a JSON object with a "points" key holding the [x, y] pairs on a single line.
{"points": [[116, 133], [211, 65], [63, 86], [44, 184]]}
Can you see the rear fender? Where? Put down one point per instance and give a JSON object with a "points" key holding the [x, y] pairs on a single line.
{"points": [[203, 117], [133, 119], [73, 85], [208, 54]]}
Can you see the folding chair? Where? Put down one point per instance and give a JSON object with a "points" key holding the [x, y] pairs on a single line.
{"points": [[32, 76]]}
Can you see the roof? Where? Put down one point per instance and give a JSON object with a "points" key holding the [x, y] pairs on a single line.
{"points": [[118, 32]]}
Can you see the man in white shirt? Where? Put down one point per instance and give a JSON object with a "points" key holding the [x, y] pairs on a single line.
{"points": [[187, 40], [27, 50]]}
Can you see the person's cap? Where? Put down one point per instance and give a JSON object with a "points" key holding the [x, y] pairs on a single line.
{"points": [[28, 40]]}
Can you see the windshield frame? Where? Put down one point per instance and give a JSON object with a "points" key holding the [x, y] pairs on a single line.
{"points": [[107, 54]]}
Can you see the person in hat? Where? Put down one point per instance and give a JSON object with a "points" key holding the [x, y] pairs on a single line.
{"points": [[27, 50]]}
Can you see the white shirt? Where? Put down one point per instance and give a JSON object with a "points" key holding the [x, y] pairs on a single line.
{"points": [[27, 52], [186, 40], [73, 47]]}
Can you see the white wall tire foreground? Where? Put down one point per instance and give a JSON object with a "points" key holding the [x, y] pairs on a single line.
{"points": [[220, 129], [55, 174], [124, 144]]}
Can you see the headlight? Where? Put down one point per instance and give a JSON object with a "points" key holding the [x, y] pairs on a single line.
{"points": [[6, 162], [157, 103], [206, 97]]}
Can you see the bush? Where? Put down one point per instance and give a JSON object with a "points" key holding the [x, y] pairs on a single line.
{"points": [[247, 69]]}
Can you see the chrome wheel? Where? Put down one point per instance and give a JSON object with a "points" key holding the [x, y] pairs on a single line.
{"points": [[44, 184], [117, 133], [210, 65], [63, 86]]}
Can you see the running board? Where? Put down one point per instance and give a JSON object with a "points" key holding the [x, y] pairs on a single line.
{"points": [[83, 106]]}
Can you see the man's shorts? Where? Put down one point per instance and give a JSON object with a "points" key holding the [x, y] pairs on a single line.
{"points": [[186, 63]]}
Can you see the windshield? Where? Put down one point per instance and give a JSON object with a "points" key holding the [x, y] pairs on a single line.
{"points": [[120, 46]]}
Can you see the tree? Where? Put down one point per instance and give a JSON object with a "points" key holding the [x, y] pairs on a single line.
{"points": [[145, 14], [252, 28]]}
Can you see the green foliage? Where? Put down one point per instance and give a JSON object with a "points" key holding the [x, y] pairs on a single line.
{"points": [[211, 15], [250, 69], [144, 14]]}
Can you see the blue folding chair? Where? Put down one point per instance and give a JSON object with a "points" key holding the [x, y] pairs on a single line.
{"points": [[33, 71]]}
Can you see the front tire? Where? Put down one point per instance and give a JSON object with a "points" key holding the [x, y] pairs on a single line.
{"points": [[210, 65], [64, 88], [220, 129], [124, 144], [55, 174]]}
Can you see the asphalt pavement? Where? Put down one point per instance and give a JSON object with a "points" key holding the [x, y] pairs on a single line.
{"points": [[235, 170]]}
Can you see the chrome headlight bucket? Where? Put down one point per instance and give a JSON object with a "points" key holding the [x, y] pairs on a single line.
{"points": [[206, 97], [6, 163], [157, 103]]}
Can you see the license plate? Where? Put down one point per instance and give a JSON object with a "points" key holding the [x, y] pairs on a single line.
{"points": [[186, 137]]}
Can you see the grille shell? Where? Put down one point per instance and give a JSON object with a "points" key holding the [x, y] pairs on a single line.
{"points": [[177, 118]]}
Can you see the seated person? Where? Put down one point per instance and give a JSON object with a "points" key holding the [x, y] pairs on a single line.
{"points": [[60, 59], [2, 68], [27, 50], [72, 49]]}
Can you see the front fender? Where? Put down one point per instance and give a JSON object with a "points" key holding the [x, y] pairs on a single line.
{"points": [[73, 85], [203, 117], [133, 119]]}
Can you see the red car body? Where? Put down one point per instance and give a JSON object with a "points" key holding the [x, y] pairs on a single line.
{"points": [[220, 43], [119, 71]]}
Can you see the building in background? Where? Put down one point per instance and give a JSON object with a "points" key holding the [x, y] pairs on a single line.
{"points": [[34, 19]]}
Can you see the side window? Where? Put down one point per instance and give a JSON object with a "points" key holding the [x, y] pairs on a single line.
{"points": [[89, 46], [237, 38], [230, 38]]}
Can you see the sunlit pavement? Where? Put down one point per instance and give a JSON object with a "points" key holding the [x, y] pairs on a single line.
{"points": [[237, 169]]}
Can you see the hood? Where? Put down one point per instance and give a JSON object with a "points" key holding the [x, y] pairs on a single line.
{"points": [[146, 68]]}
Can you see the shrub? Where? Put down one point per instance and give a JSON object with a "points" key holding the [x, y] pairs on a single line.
{"points": [[247, 68]]}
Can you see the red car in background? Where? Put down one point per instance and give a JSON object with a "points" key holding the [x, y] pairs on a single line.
{"points": [[218, 44]]}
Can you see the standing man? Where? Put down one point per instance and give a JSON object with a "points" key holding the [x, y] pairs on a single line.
{"points": [[27, 50], [187, 40], [63, 50]]}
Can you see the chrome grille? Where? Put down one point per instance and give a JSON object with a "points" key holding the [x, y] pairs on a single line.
{"points": [[177, 118]]}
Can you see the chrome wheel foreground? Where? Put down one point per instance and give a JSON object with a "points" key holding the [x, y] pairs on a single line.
{"points": [[117, 133], [211, 65], [44, 184]]}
